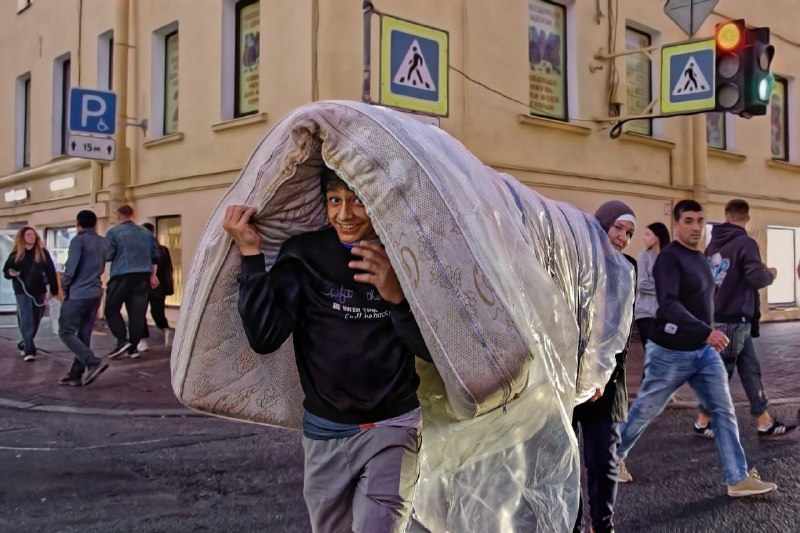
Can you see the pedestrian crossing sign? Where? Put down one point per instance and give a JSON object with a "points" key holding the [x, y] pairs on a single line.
{"points": [[414, 66], [687, 76]]}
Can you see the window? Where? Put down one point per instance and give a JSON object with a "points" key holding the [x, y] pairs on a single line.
{"points": [[638, 68], [57, 241], [61, 85], [22, 151], [547, 56], [248, 36], [164, 79], [169, 234], [779, 114], [171, 83], [717, 130], [105, 60]]}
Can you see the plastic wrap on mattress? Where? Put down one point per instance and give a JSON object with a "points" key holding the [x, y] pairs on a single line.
{"points": [[510, 290]]}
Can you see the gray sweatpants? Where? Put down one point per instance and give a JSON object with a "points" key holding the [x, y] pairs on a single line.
{"points": [[364, 483]]}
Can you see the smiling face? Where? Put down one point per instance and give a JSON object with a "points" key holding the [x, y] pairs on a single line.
{"points": [[620, 234], [348, 216]]}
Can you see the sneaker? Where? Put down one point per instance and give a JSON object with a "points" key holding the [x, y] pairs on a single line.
{"points": [[29, 357], [167, 338], [704, 431], [94, 371], [777, 429], [70, 381], [21, 346], [133, 354], [121, 348], [624, 475], [142, 346], [750, 486]]}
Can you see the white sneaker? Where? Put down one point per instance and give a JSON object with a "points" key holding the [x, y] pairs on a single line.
{"points": [[142, 346], [167, 338]]}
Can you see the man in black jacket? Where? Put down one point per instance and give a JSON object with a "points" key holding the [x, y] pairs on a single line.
{"points": [[684, 348], [354, 339], [735, 263]]}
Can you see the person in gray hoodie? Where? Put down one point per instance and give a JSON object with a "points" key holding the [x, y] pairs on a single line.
{"points": [[83, 291], [735, 263]]}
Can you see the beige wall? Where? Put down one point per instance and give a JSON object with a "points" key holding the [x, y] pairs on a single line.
{"points": [[312, 50]]}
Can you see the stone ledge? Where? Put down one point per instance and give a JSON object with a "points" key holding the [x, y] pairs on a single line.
{"points": [[549, 123], [239, 122]]}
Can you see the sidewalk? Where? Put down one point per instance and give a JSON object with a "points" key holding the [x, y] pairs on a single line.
{"points": [[778, 349], [129, 387], [142, 386]]}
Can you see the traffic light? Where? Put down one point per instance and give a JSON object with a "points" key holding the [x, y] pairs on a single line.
{"points": [[759, 80], [743, 81], [731, 38]]}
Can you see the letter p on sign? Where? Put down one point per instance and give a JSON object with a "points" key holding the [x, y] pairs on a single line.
{"points": [[92, 111]]}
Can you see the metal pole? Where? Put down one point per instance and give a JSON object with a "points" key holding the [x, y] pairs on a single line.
{"points": [[366, 84]]}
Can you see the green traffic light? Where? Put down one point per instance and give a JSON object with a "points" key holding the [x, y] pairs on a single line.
{"points": [[765, 86]]}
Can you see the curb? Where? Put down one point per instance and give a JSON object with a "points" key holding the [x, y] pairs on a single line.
{"points": [[69, 409]]}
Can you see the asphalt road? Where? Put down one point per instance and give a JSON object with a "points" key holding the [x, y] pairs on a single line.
{"points": [[85, 473]]}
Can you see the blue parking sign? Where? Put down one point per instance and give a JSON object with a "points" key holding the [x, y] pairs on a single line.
{"points": [[92, 111]]}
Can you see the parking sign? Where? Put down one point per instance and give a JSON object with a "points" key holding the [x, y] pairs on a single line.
{"points": [[92, 111]]}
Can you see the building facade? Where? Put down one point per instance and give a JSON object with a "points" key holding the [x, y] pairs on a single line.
{"points": [[532, 92]]}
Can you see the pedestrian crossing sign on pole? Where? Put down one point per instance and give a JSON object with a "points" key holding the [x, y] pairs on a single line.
{"points": [[687, 76], [414, 66]]}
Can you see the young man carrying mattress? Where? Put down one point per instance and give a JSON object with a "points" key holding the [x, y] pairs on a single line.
{"points": [[354, 339]]}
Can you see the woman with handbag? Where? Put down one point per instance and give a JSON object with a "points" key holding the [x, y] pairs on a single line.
{"points": [[30, 269]]}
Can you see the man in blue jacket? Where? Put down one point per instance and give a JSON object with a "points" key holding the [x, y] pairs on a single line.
{"points": [[735, 263], [133, 253]]}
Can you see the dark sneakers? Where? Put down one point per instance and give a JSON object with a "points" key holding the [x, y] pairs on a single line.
{"points": [[70, 381], [703, 431], [121, 348], [777, 429], [94, 371]]}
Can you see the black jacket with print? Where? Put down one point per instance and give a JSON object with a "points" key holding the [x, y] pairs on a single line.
{"points": [[354, 351]]}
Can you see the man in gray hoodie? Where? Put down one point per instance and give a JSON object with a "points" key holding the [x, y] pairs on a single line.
{"points": [[735, 263], [83, 291]]}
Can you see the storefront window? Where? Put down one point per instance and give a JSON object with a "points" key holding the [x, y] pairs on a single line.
{"points": [[57, 243], [169, 234]]}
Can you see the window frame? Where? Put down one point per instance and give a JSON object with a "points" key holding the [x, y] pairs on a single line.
{"points": [[723, 130], [105, 60], [780, 80], [174, 300], [66, 84], [650, 39], [22, 122], [166, 83], [62, 82], [238, 7], [566, 62]]}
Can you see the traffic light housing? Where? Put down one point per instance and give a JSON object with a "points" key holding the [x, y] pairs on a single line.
{"points": [[742, 77], [759, 81], [730, 38]]}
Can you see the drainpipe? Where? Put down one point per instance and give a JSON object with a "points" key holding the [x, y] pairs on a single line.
{"points": [[369, 9], [700, 159], [120, 166]]}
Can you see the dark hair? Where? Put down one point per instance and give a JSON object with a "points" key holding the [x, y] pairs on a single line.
{"points": [[149, 227], [684, 206], [125, 210], [86, 219], [329, 180], [737, 209], [660, 230]]}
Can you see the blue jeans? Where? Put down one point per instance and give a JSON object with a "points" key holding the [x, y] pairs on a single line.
{"points": [[75, 324], [29, 315], [665, 372], [746, 361]]}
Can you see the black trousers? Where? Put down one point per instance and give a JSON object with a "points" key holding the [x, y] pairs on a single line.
{"points": [[131, 290], [157, 299], [601, 439]]}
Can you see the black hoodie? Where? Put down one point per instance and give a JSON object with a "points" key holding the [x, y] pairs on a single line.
{"points": [[735, 263]]}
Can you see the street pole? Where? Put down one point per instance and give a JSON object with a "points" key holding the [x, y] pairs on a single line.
{"points": [[700, 159], [121, 164]]}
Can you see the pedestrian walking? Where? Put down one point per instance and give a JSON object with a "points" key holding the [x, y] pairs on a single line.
{"points": [[598, 419], [336, 293], [82, 288], [31, 271], [685, 348], [656, 237], [738, 272], [158, 296], [133, 254]]}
